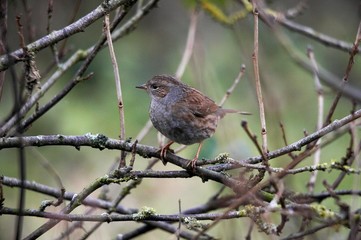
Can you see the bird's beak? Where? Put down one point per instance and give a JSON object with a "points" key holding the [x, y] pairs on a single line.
{"points": [[144, 86]]}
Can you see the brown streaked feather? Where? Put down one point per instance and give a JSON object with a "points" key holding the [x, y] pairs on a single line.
{"points": [[199, 104]]}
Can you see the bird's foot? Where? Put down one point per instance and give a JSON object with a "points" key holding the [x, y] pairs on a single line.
{"points": [[192, 164], [163, 152]]}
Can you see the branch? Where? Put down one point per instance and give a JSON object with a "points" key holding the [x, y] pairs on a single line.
{"points": [[320, 37], [188, 50], [56, 36], [320, 100], [258, 85], [345, 78], [75, 58], [101, 142], [118, 87], [115, 217], [296, 146], [351, 92], [87, 55], [212, 204]]}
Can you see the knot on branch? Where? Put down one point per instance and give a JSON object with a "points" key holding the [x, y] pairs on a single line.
{"points": [[144, 212], [98, 141]]}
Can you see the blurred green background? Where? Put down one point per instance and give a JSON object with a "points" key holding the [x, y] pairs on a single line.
{"points": [[156, 47]]}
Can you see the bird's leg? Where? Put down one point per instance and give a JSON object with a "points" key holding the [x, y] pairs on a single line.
{"points": [[163, 152], [194, 161]]}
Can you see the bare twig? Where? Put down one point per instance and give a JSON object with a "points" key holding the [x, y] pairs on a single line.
{"points": [[180, 219], [353, 53], [62, 48], [56, 36], [76, 202], [312, 230], [3, 36], [188, 50], [327, 77], [284, 137], [118, 88], [296, 10], [40, 111], [45, 87], [311, 33], [258, 85], [348, 159], [29, 23], [320, 99], [235, 83], [20, 33], [88, 55], [253, 137], [355, 203], [48, 30], [144, 131], [132, 160]]}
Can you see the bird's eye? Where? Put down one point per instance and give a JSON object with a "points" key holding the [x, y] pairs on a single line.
{"points": [[153, 86]]}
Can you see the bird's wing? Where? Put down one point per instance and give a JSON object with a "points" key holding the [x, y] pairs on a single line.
{"points": [[199, 104]]}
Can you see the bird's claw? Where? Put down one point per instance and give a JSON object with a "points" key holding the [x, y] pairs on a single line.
{"points": [[163, 153], [192, 164]]}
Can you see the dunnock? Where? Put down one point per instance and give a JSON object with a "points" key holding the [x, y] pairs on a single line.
{"points": [[182, 113]]}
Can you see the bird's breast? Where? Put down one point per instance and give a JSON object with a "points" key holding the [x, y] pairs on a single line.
{"points": [[180, 124]]}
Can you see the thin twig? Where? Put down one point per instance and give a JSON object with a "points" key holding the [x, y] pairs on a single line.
{"points": [[3, 37], [118, 88], [253, 137], [88, 55], [5, 127], [132, 160], [258, 84], [355, 203], [48, 30], [126, 191], [296, 10], [284, 137], [180, 219], [313, 34], [40, 111], [62, 49], [345, 78], [188, 50], [327, 77], [347, 160], [235, 83], [144, 131], [47, 165], [76, 202], [56, 36], [320, 100]]}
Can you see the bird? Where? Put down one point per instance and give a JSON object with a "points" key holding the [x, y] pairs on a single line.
{"points": [[182, 113]]}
